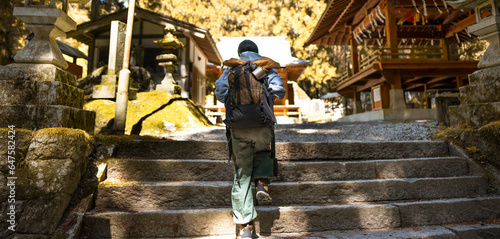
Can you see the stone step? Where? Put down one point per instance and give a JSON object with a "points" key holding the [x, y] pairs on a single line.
{"points": [[474, 114], [212, 194], [218, 170], [452, 231], [289, 219], [484, 76], [286, 151], [481, 93]]}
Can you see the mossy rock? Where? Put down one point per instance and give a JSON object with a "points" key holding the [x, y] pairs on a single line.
{"points": [[482, 144], [156, 113], [60, 143]]}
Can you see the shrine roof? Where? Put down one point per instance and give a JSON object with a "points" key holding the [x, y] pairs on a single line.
{"points": [[85, 32], [342, 17]]}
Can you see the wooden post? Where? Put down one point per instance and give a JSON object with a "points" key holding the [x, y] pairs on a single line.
{"points": [[459, 82], [90, 58], [427, 102], [445, 52], [123, 81], [394, 78], [357, 104], [354, 53], [391, 28]]}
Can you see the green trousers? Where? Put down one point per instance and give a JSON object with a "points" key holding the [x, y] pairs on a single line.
{"points": [[252, 157]]}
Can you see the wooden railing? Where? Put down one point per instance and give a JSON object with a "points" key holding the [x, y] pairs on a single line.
{"points": [[414, 52], [402, 53], [397, 54]]}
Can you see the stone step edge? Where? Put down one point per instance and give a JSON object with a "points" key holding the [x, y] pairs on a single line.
{"points": [[298, 161], [425, 232], [290, 219], [388, 204], [228, 184], [287, 150]]}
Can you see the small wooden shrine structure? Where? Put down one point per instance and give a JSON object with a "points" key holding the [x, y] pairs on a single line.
{"points": [[409, 42], [199, 47]]}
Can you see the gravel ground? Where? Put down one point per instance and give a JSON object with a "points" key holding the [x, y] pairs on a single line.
{"points": [[327, 132]]}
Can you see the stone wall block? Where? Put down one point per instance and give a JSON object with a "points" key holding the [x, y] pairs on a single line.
{"points": [[4, 209], [22, 141], [36, 72], [42, 215], [54, 175], [17, 92], [481, 93], [474, 114], [485, 76], [47, 116], [57, 93], [60, 143], [22, 92]]}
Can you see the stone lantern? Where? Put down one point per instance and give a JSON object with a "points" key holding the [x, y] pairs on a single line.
{"points": [[47, 22], [480, 101], [479, 107], [487, 27], [37, 90], [168, 59]]}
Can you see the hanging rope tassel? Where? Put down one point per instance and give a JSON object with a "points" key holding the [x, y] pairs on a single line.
{"points": [[425, 8], [415, 5], [435, 4], [445, 5]]}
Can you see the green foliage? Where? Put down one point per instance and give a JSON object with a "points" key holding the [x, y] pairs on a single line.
{"points": [[12, 31]]}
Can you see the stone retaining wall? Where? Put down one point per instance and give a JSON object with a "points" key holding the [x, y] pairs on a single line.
{"points": [[49, 164]]}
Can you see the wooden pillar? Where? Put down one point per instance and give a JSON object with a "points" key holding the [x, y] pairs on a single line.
{"points": [[396, 93], [391, 28], [394, 78], [445, 51], [357, 104], [90, 57], [354, 54], [427, 102], [460, 83]]}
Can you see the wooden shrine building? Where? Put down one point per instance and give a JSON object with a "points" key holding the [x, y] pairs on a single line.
{"points": [[408, 44], [199, 48]]}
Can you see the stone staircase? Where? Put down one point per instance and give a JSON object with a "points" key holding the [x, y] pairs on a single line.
{"points": [[163, 189]]}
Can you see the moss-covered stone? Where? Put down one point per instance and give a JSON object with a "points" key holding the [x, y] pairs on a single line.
{"points": [[151, 112], [46, 116], [19, 208], [29, 92], [55, 175], [48, 177], [36, 72], [42, 215], [482, 144], [22, 139], [60, 143]]}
